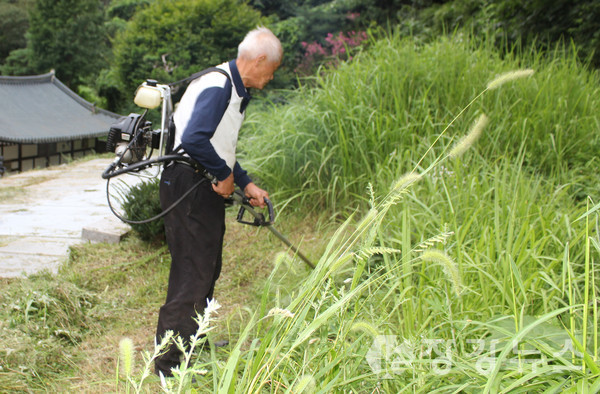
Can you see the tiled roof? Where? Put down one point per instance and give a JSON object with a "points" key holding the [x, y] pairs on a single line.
{"points": [[40, 109]]}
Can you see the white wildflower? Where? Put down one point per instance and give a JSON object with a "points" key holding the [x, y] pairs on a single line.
{"points": [[211, 307]]}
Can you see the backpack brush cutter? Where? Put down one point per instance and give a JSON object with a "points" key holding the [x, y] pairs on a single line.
{"points": [[133, 141]]}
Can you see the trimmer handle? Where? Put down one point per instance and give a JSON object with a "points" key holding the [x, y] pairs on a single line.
{"points": [[271, 211], [259, 218]]}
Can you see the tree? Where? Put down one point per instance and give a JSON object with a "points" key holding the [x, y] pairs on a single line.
{"points": [[13, 25], [17, 63], [170, 40], [118, 12], [125, 9], [67, 36], [312, 25], [545, 22], [283, 9]]}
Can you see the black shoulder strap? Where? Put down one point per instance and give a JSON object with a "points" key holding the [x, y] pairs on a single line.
{"points": [[169, 148], [199, 74], [179, 87]]}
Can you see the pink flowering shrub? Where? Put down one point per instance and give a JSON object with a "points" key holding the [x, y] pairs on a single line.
{"points": [[330, 54]]}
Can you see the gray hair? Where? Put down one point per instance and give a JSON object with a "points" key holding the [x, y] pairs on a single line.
{"points": [[260, 41]]}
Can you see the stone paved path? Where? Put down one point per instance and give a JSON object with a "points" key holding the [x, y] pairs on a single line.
{"points": [[43, 213]]}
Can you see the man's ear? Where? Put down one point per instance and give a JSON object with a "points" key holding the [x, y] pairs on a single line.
{"points": [[260, 59]]}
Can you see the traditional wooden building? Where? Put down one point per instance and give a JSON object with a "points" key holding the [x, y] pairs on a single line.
{"points": [[43, 123]]}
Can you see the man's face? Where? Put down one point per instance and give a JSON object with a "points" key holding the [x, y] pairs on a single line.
{"points": [[263, 73]]}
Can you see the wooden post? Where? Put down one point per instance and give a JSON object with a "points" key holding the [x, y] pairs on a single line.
{"points": [[20, 158]]}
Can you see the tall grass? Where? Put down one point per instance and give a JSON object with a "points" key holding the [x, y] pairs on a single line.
{"points": [[371, 119], [495, 312]]}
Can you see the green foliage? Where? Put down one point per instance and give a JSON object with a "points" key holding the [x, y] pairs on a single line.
{"points": [[544, 23], [109, 87], [125, 9], [17, 63], [142, 201], [329, 17], [91, 96], [118, 13], [284, 9], [67, 36], [170, 40], [539, 24], [390, 12], [13, 25], [310, 22]]}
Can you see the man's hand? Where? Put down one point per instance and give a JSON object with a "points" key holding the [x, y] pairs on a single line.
{"points": [[225, 187], [256, 195]]}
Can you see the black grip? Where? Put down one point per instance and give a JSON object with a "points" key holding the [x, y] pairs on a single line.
{"points": [[271, 212], [259, 218]]}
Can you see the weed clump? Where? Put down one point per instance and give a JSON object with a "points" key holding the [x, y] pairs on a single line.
{"points": [[140, 202]]}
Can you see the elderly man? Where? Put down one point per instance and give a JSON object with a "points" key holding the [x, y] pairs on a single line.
{"points": [[207, 120]]}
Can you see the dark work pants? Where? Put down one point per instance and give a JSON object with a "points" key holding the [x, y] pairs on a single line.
{"points": [[194, 232]]}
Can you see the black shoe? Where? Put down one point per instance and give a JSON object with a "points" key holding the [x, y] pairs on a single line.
{"points": [[205, 346], [221, 343]]}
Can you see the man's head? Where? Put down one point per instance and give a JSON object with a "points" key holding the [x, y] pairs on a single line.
{"points": [[259, 55]]}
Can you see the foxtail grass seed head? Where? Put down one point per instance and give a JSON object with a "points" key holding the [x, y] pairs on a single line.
{"points": [[365, 327], [450, 267], [509, 76], [280, 312], [371, 251], [283, 259], [406, 180], [438, 239], [280, 258], [306, 384], [468, 140], [371, 194], [126, 351]]}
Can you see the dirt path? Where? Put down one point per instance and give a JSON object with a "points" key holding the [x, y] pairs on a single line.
{"points": [[43, 212]]}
